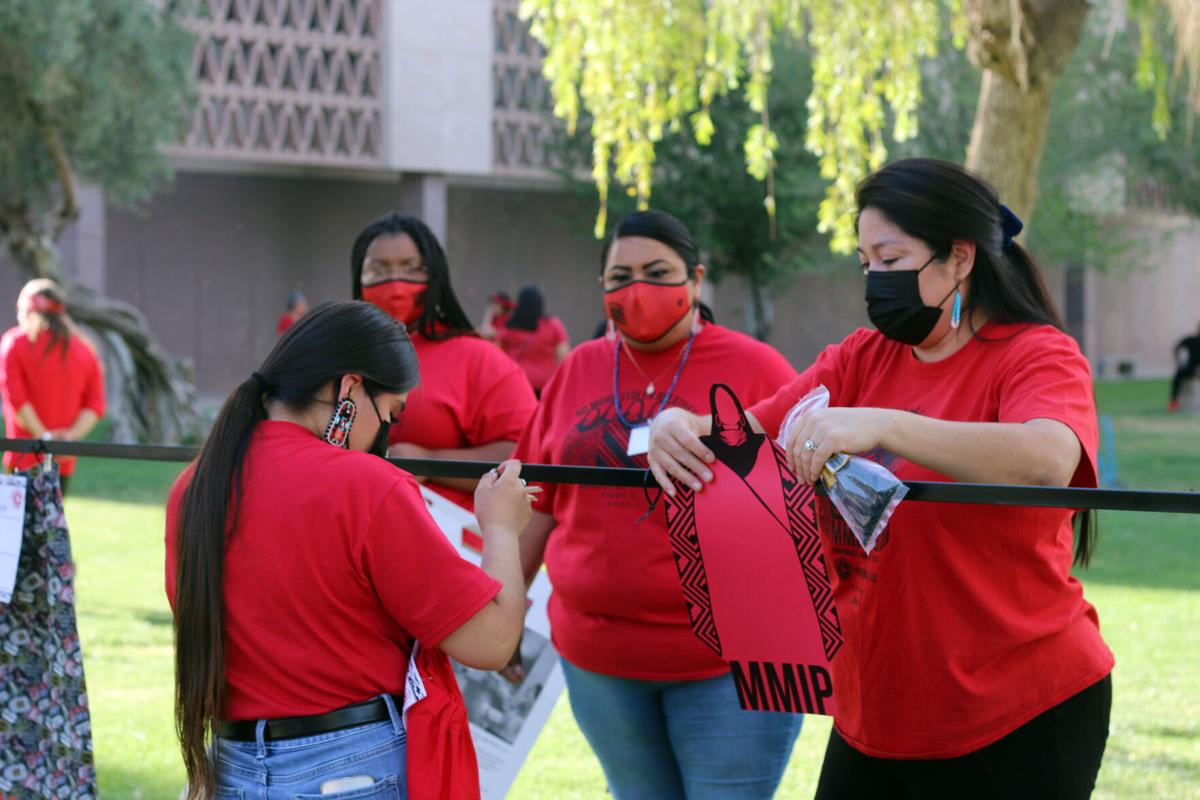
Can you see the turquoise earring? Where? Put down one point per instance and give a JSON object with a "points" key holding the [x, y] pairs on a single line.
{"points": [[956, 312]]}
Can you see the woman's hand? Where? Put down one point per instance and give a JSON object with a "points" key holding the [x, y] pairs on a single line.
{"points": [[820, 433], [677, 452], [503, 501]]}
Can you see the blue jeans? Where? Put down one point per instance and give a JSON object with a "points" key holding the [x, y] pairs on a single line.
{"points": [[680, 739], [295, 769]]}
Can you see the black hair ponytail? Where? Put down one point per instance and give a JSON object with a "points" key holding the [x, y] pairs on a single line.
{"points": [[330, 341]]}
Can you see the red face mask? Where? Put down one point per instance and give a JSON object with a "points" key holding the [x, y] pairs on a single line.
{"points": [[402, 300], [645, 311]]}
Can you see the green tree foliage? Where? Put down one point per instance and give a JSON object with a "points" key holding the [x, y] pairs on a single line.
{"points": [[644, 68], [710, 189], [88, 91]]}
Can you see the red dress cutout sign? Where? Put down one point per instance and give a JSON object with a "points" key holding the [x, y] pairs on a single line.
{"points": [[753, 569]]}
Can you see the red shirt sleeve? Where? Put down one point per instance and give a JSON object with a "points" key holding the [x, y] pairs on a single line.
{"points": [[15, 383], [499, 399], [422, 581], [827, 370], [1050, 379]]}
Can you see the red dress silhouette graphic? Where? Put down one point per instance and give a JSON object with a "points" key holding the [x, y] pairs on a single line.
{"points": [[753, 569]]}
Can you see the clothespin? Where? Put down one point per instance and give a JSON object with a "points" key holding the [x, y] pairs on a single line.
{"points": [[47, 458]]}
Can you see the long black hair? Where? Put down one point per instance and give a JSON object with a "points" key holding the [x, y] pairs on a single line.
{"points": [[443, 317], [661, 227], [939, 202], [530, 309], [332, 340]]}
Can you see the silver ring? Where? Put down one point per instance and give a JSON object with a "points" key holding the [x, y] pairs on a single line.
{"points": [[810, 445], [523, 483]]}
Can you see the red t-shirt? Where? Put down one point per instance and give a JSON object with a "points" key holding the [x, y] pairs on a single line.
{"points": [[617, 606], [964, 622], [334, 567], [537, 350], [58, 386], [470, 394]]}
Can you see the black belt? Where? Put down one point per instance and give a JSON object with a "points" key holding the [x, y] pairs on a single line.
{"points": [[292, 727]]}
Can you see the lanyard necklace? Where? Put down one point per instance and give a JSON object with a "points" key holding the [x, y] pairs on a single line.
{"points": [[687, 349]]}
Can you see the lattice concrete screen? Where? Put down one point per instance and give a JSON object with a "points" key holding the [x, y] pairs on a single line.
{"points": [[523, 121], [288, 81]]}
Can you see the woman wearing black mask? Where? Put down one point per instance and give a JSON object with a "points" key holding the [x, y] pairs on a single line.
{"points": [[972, 664], [304, 572]]}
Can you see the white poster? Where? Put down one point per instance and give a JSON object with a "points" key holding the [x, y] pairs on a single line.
{"points": [[505, 718], [12, 529]]}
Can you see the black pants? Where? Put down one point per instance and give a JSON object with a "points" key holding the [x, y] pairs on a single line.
{"points": [[1054, 756], [1181, 375]]}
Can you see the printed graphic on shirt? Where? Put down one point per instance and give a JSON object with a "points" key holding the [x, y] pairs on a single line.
{"points": [[599, 438]]}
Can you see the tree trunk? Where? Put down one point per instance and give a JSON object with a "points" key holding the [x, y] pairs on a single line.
{"points": [[1008, 140], [30, 247], [1022, 47], [761, 311]]}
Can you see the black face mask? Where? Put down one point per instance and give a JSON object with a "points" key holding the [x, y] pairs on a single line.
{"points": [[379, 447], [895, 306]]}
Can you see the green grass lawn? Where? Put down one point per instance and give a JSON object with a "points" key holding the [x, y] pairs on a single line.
{"points": [[1145, 581]]}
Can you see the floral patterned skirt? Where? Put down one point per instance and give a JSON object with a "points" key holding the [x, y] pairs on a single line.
{"points": [[45, 728]]}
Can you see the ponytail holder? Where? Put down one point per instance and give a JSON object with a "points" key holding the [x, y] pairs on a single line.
{"points": [[263, 384], [1010, 225]]}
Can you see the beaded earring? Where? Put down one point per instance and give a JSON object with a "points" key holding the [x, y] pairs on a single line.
{"points": [[956, 312], [337, 432]]}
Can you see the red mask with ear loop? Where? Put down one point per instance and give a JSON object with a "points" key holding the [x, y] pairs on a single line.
{"points": [[645, 311], [403, 300]]}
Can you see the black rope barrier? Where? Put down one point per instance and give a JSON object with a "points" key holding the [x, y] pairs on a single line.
{"points": [[919, 491]]}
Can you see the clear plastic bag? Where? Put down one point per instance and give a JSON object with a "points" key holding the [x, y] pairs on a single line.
{"points": [[864, 493]]}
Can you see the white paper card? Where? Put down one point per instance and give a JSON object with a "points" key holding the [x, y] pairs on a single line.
{"points": [[414, 687], [12, 529], [639, 441]]}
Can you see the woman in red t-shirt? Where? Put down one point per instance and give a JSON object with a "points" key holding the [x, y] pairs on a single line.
{"points": [[301, 606], [535, 341], [972, 665], [499, 306], [297, 307], [50, 377], [656, 705], [472, 401]]}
